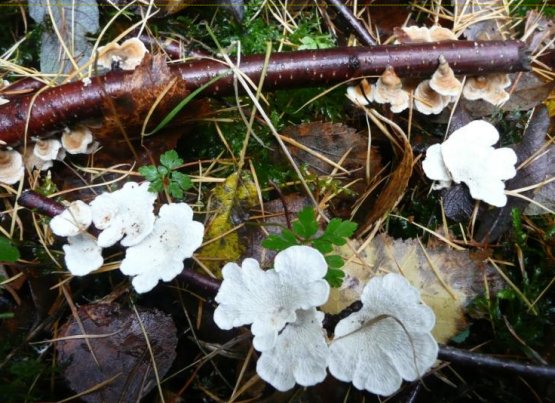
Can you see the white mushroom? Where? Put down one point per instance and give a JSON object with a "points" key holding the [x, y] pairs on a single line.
{"points": [[443, 80], [126, 213], [387, 341], [3, 101], [435, 168], [469, 157], [428, 101], [300, 354], [361, 94], [439, 33], [11, 167], [270, 299], [82, 254], [73, 220], [388, 89], [126, 56], [490, 88], [78, 140], [48, 150], [416, 34], [160, 255]]}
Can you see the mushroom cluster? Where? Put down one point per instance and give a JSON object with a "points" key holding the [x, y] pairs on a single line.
{"points": [[157, 246], [468, 156], [387, 341], [125, 56], [433, 95]]}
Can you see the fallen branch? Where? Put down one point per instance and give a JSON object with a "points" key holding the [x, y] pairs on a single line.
{"points": [[209, 286], [124, 99]]}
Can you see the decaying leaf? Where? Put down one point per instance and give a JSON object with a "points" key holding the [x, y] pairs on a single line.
{"points": [[315, 144], [389, 196], [545, 195], [483, 19], [448, 279], [230, 201], [72, 20], [494, 222], [119, 346]]}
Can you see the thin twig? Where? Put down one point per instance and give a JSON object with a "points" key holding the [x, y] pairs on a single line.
{"points": [[359, 30]]}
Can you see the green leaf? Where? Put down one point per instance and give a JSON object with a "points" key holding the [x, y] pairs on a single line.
{"points": [[170, 160], [156, 186], [149, 172], [175, 190], [8, 252], [163, 171], [182, 179], [306, 225], [334, 277], [324, 246], [338, 230], [281, 241], [334, 261]]}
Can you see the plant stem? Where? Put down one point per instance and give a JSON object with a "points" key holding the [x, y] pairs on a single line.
{"points": [[123, 99]]}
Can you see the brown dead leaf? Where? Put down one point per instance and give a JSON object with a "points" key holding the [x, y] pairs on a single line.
{"points": [[447, 279], [119, 345]]}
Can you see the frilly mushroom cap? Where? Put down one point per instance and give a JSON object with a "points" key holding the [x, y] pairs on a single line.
{"points": [[3, 100], [299, 356], [428, 101], [416, 34], [388, 89], [11, 167], [490, 88], [387, 341], [128, 55], [126, 213], [47, 150], [361, 94], [439, 33], [82, 254], [435, 168], [470, 158], [73, 220], [443, 80], [78, 140], [174, 237], [269, 299]]}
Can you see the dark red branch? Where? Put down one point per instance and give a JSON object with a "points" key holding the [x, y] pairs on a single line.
{"points": [[472, 359], [356, 26], [41, 204], [210, 286], [69, 104]]}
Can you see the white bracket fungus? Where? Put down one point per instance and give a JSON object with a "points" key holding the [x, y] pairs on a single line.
{"points": [[300, 354], [427, 101], [78, 140], [126, 212], [361, 94], [270, 299], [490, 88], [3, 101], [389, 90], [468, 156], [443, 80], [73, 220], [159, 256], [82, 254], [387, 341], [11, 167], [127, 56]]}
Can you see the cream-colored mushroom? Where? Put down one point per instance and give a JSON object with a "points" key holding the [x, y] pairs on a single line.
{"points": [[47, 150], [78, 140], [3, 101], [127, 56], [428, 101], [439, 33], [361, 94], [490, 88], [389, 89], [444, 81], [11, 167]]}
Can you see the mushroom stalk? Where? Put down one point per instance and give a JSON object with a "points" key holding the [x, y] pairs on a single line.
{"points": [[128, 96]]}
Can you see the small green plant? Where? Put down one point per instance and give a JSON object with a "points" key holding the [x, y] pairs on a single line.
{"points": [[303, 232], [166, 176], [8, 252]]}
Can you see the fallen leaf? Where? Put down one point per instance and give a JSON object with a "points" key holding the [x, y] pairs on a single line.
{"points": [[545, 195], [459, 278], [230, 201], [119, 345]]}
